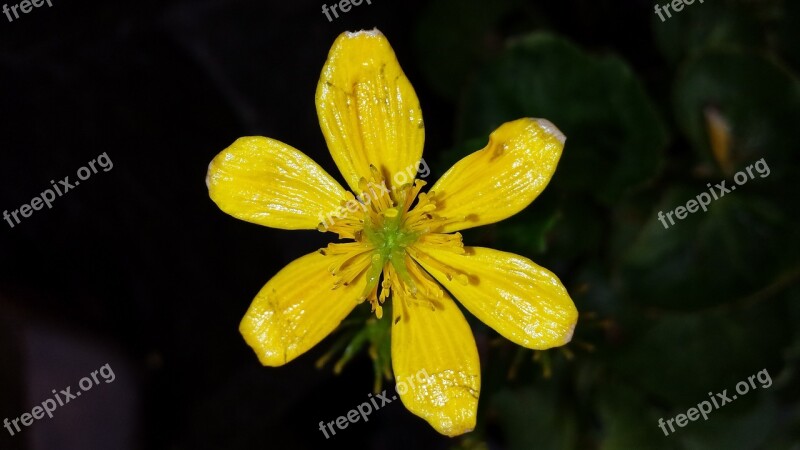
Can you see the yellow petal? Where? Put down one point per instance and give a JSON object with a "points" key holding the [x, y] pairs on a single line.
{"points": [[435, 362], [522, 301], [368, 110], [267, 182], [297, 308], [501, 179]]}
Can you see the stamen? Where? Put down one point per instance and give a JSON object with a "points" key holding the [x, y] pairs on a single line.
{"points": [[448, 271], [344, 222], [444, 241], [430, 288], [386, 285], [349, 272], [390, 230], [405, 295], [348, 260], [373, 300]]}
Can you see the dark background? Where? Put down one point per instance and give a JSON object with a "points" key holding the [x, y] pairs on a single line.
{"points": [[137, 267]]}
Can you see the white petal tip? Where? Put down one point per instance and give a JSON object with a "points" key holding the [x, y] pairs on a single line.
{"points": [[568, 336], [551, 129], [373, 32], [208, 175]]}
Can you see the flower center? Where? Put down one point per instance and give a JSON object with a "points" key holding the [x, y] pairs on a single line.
{"points": [[385, 230]]}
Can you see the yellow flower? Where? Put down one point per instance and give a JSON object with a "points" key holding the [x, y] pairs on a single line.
{"points": [[401, 240]]}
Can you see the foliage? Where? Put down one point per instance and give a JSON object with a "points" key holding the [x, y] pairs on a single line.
{"points": [[668, 314]]}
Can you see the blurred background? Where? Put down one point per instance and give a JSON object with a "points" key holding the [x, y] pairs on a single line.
{"points": [[138, 269]]}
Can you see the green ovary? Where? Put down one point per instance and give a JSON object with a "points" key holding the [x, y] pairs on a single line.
{"points": [[390, 241]]}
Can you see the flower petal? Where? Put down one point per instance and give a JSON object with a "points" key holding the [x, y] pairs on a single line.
{"points": [[501, 179], [522, 301], [297, 308], [267, 182], [435, 362], [368, 110]]}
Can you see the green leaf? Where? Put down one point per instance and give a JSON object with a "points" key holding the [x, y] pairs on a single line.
{"points": [[744, 424], [679, 358], [711, 24], [628, 420], [742, 244], [534, 418], [468, 36], [787, 35], [758, 99], [614, 136]]}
